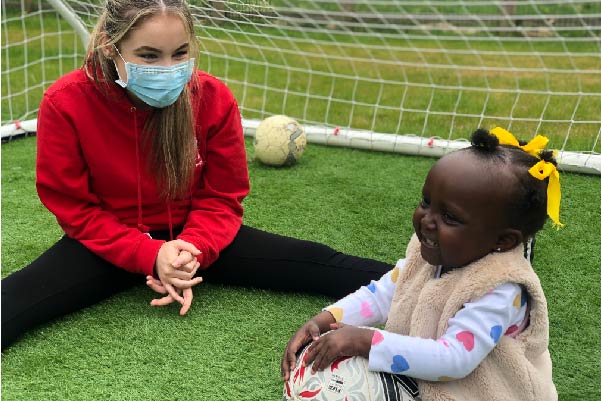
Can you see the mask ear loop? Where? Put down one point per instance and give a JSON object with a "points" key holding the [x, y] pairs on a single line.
{"points": [[120, 81]]}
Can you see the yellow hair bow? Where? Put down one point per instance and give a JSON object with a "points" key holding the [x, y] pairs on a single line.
{"points": [[540, 170], [533, 147]]}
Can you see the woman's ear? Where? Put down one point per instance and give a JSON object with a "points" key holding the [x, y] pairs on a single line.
{"points": [[108, 50], [509, 239]]}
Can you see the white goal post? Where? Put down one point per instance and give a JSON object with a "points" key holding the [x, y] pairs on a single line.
{"points": [[402, 76]]}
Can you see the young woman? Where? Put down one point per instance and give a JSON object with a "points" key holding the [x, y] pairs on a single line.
{"points": [[141, 159], [464, 312]]}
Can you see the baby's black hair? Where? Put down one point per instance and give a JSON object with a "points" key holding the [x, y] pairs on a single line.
{"points": [[527, 210]]}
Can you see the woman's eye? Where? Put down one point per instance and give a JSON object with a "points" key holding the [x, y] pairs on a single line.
{"points": [[181, 54], [148, 56], [425, 203]]}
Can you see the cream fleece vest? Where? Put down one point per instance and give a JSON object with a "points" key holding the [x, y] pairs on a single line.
{"points": [[518, 369]]}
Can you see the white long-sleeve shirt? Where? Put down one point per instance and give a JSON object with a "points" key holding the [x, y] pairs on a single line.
{"points": [[472, 333]]}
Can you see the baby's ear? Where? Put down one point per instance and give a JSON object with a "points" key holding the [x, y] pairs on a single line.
{"points": [[509, 239]]}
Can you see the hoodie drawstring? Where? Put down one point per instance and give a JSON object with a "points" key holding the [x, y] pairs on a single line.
{"points": [[141, 226], [169, 218]]}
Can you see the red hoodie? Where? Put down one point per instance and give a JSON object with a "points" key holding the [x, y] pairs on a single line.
{"points": [[93, 175]]}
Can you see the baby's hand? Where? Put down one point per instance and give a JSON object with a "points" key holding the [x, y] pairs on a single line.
{"points": [[345, 340], [310, 331]]}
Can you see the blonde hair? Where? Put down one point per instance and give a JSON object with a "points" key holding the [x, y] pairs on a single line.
{"points": [[172, 140]]}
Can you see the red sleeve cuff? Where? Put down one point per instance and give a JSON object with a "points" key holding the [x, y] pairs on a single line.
{"points": [[146, 256]]}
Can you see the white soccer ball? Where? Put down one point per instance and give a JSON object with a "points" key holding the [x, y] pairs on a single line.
{"points": [[279, 141], [347, 379]]}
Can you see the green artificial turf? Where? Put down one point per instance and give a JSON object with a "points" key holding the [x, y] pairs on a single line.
{"points": [[229, 345]]}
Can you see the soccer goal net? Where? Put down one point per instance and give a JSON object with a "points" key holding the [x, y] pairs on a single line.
{"points": [[391, 75]]}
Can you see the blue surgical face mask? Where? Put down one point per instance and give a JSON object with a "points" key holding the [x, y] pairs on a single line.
{"points": [[156, 86]]}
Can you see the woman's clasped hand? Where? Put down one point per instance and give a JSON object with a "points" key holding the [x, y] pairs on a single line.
{"points": [[176, 265]]}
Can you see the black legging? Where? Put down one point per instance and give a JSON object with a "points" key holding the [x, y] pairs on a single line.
{"points": [[69, 277]]}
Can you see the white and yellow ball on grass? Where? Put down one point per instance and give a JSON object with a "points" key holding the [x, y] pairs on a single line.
{"points": [[347, 379], [279, 141]]}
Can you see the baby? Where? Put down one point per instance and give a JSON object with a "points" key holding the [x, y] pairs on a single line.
{"points": [[464, 312]]}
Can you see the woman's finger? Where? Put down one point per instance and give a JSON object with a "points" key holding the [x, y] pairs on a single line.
{"points": [[182, 259], [187, 301], [184, 284], [155, 285], [191, 266], [171, 290], [179, 274], [166, 300], [186, 246]]}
